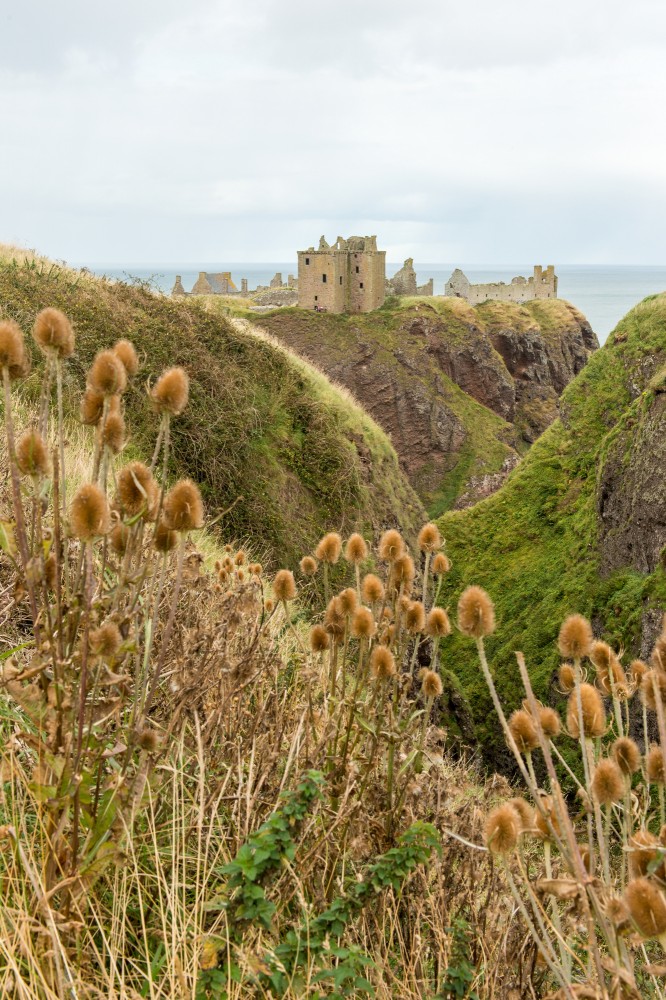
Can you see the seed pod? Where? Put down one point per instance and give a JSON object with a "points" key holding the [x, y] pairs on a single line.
{"points": [[164, 538], [643, 848], [403, 572], [441, 564], [136, 488], [319, 640], [525, 813], [523, 730], [415, 618], [284, 586], [608, 783], [13, 355], [502, 830], [53, 333], [183, 508], [575, 639], [372, 589], [363, 624], [550, 723], [594, 715], [113, 435], [31, 455], [431, 684], [654, 762], [391, 545], [567, 678], [647, 907], [126, 352], [476, 613], [107, 375], [308, 566], [651, 680], [148, 739], [437, 623], [356, 550], [627, 755], [335, 619], [348, 601], [105, 641], [382, 663], [119, 538], [329, 548], [545, 818], [429, 538], [89, 514], [171, 392]]}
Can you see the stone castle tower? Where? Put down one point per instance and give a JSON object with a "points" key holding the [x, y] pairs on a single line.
{"points": [[349, 276]]}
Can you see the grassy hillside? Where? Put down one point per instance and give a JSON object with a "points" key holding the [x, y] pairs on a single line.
{"points": [[460, 389], [540, 546], [280, 454]]}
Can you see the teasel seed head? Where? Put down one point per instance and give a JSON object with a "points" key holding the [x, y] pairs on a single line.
{"points": [[415, 618], [637, 671], [575, 639], [545, 819], [647, 906], [269, 604], [284, 586], [126, 352], [107, 375], [105, 641], [165, 539], [382, 663], [53, 333], [441, 564], [136, 488], [431, 684], [550, 722], [240, 558], [391, 545], [31, 455], [608, 783], [119, 538], [92, 407], [89, 513], [652, 679], [403, 572], [593, 712], [429, 538], [502, 830], [654, 764], [183, 507], [523, 730], [525, 813], [319, 640], [363, 624], [476, 613], [627, 755], [148, 739], [437, 623], [335, 619], [113, 435], [372, 589], [601, 655], [13, 354], [356, 550], [567, 678], [171, 392], [618, 913], [643, 848], [329, 548], [309, 566], [348, 601]]}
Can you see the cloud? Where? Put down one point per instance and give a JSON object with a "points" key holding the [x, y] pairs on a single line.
{"points": [[157, 130]]}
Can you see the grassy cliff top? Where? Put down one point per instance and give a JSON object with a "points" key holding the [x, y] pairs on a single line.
{"points": [[537, 546], [280, 454]]}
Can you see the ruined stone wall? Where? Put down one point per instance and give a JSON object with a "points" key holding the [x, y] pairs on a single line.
{"points": [[343, 278], [543, 285]]}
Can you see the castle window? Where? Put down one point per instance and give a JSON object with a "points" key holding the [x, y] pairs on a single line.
{"points": [[323, 278], [316, 298], [340, 279], [357, 269], [307, 260], [361, 285]]}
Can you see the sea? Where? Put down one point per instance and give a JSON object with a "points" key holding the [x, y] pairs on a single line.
{"points": [[602, 293]]}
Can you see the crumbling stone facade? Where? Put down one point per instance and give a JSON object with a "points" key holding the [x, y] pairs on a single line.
{"points": [[403, 282], [543, 285], [348, 277]]}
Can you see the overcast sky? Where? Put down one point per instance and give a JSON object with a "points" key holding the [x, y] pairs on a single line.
{"points": [[206, 130]]}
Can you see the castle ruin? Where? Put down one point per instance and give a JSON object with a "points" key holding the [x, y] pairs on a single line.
{"points": [[347, 277], [403, 282], [543, 285]]}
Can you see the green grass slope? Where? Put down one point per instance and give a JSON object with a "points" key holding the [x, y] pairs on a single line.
{"points": [[537, 546], [272, 443]]}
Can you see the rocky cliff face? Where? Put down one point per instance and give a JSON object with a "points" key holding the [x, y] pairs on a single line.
{"points": [[462, 390]]}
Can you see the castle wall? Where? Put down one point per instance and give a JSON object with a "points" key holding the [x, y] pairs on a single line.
{"points": [[342, 278], [542, 285]]}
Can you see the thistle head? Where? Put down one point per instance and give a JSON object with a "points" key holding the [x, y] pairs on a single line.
{"points": [[363, 624], [626, 755], [382, 663], [348, 601], [308, 566], [415, 617], [113, 434], [183, 507], [126, 353], [502, 830], [391, 545], [653, 686], [319, 640], [329, 548], [525, 813], [53, 333], [119, 538], [441, 564], [105, 641], [284, 586], [13, 355], [372, 589], [647, 906], [523, 730], [335, 619], [575, 638], [643, 852], [403, 572], [550, 722], [31, 455], [593, 713], [567, 678], [437, 623], [431, 684], [89, 513], [165, 538], [137, 489], [356, 550], [171, 392], [476, 613], [608, 782], [107, 376], [429, 538], [654, 765]]}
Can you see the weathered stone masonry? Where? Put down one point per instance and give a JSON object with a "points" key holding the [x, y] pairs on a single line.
{"points": [[543, 285], [349, 276]]}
